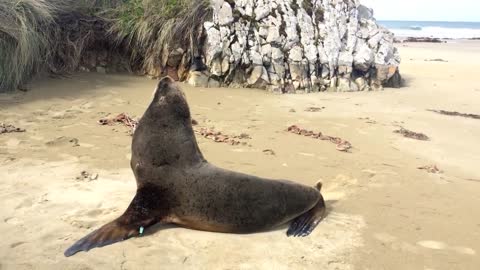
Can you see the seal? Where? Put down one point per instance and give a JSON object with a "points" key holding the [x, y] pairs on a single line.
{"points": [[175, 184]]}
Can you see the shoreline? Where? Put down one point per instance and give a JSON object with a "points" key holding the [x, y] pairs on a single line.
{"points": [[411, 39]]}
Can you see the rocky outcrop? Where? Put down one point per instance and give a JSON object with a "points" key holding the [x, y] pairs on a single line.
{"points": [[293, 46], [285, 46]]}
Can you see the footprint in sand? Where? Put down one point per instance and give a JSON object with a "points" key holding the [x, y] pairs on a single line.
{"points": [[13, 221], [369, 173], [394, 243], [87, 218], [464, 250], [63, 141], [385, 237], [16, 244], [67, 114], [362, 131], [306, 154], [120, 101], [339, 187], [87, 106], [43, 199], [432, 245], [27, 203], [378, 179], [436, 245], [12, 143], [37, 138]]}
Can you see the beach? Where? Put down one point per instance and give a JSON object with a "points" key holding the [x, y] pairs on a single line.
{"points": [[383, 212]]}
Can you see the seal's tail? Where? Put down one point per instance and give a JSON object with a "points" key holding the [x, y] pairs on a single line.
{"points": [[304, 224], [136, 218]]}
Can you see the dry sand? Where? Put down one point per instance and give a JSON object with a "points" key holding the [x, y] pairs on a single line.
{"points": [[384, 213]]}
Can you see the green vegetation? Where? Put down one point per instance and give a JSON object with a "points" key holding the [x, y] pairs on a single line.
{"points": [[150, 27], [23, 42], [52, 35]]}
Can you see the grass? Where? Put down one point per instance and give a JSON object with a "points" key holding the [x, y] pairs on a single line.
{"points": [[151, 28], [24, 42], [52, 35]]}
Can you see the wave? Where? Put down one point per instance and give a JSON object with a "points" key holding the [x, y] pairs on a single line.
{"points": [[415, 27], [437, 32]]}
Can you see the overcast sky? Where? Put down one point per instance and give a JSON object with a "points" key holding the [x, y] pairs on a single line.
{"points": [[425, 10]]}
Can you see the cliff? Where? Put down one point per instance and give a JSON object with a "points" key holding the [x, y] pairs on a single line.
{"points": [[297, 45]]}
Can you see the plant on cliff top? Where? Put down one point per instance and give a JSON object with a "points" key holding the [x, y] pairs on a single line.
{"points": [[151, 27], [24, 42], [43, 35]]}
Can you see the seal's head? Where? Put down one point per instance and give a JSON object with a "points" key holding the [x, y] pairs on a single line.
{"points": [[164, 134], [168, 101]]}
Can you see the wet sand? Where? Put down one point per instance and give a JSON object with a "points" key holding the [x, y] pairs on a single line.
{"points": [[384, 213]]}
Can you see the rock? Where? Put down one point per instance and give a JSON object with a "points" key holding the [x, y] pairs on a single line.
{"points": [[175, 57], [258, 78], [343, 85], [197, 79], [212, 83], [182, 71], [173, 73], [216, 67], [225, 14], [361, 84], [395, 81], [89, 60], [365, 13], [296, 54], [262, 10], [101, 70], [385, 72], [363, 58], [290, 45], [298, 72], [424, 39]]}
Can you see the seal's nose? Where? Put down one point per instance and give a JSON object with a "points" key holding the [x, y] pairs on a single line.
{"points": [[163, 86], [165, 83]]}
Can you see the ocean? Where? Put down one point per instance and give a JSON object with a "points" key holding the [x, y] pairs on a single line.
{"points": [[455, 30]]}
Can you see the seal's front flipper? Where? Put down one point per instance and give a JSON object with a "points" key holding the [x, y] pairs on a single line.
{"points": [[139, 215], [304, 224], [108, 234]]}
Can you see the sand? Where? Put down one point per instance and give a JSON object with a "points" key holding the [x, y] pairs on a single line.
{"points": [[384, 213]]}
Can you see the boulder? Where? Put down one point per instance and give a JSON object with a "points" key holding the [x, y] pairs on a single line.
{"points": [[197, 79]]}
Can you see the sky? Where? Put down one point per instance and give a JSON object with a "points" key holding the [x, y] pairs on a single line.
{"points": [[425, 10]]}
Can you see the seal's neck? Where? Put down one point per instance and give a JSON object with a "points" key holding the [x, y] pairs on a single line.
{"points": [[165, 142]]}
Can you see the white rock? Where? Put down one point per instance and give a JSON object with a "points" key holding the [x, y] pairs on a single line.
{"points": [[296, 54], [262, 10], [363, 58], [225, 14], [197, 79]]}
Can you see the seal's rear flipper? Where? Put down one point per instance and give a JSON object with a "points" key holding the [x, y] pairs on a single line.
{"points": [[304, 224]]}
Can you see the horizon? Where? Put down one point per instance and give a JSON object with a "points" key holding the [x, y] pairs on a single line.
{"points": [[386, 20], [425, 11]]}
